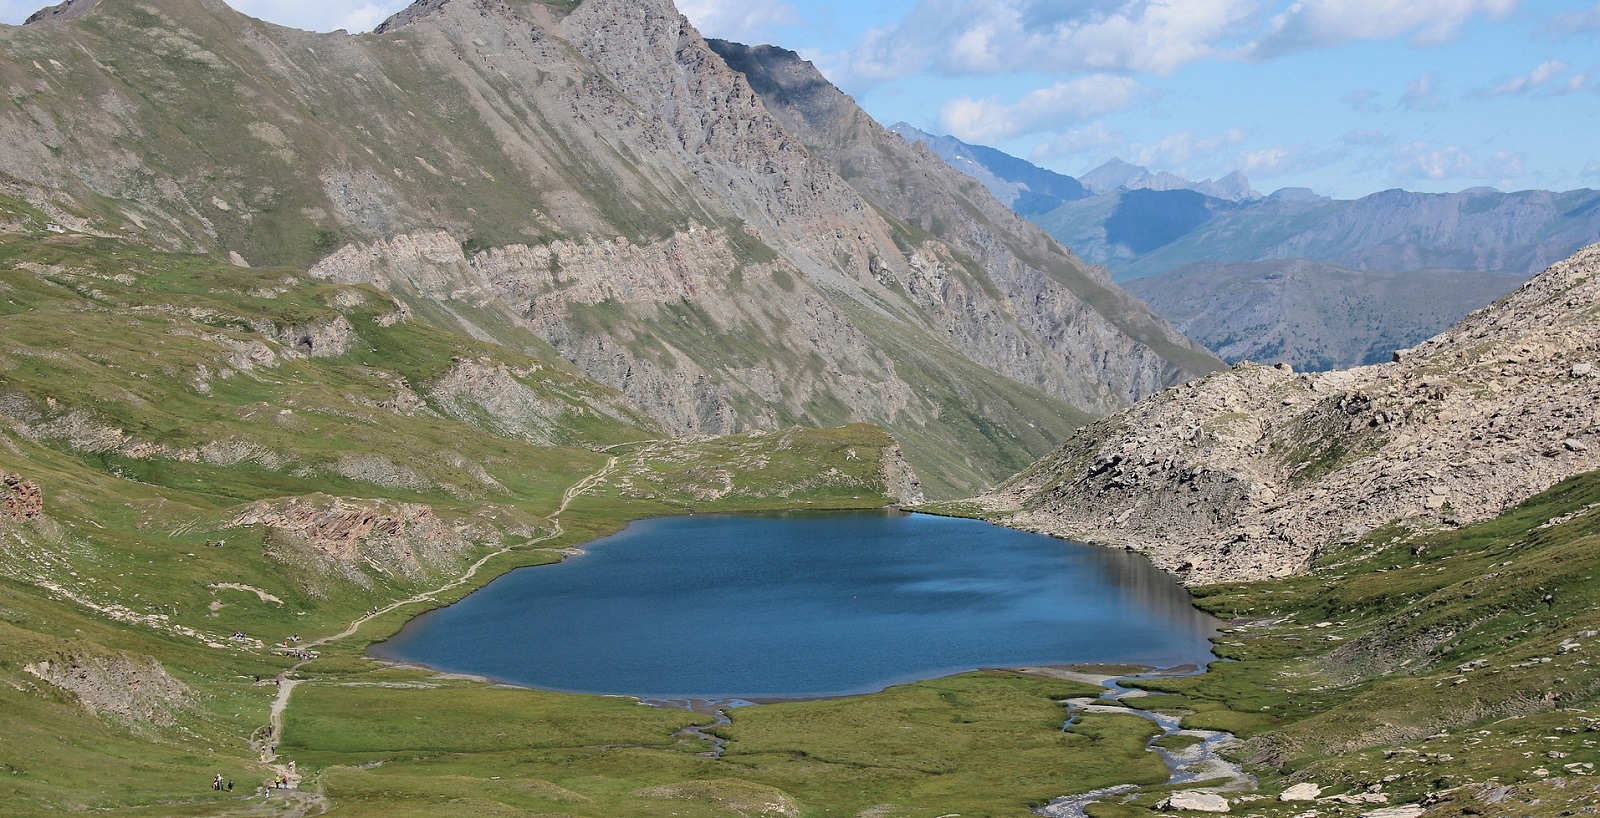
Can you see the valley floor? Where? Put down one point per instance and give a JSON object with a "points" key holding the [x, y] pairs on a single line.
{"points": [[1407, 672]]}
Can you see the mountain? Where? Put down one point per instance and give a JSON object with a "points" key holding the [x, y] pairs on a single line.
{"points": [[596, 175], [1313, 315], [1114, 175], [199, 462], [1254, 472], [1393, 267], [1420, 260], [1020, 185], [1479, 230]]}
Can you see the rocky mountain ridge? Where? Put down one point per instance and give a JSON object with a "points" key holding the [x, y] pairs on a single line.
{"points": [[1251, 473], [597, 174], [1116, 175], [1295, 277], [1480, 229]]}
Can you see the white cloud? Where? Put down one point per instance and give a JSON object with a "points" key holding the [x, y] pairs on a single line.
{"points": [[1574, 84], [989, 120], [1422, 94], [1575, 22], [1591, 170], [1091, 137], [1176, 151], [322, 15], [1285, 160], [747, 21], [992, 36], [1417, 161], [1539, 76], [1308, 24], [1137, 36]]}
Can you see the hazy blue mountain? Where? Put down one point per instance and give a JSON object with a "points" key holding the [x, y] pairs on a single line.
{"points": [[1116, 175], [1312, 315], [1302, 278], [1021, 185]]}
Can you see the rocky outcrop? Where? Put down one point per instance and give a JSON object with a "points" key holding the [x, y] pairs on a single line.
{"points": [[321, 339], [1253, 472], [398, 538], [902, 481], [132, 689], [20, 499], [1004, 292]]}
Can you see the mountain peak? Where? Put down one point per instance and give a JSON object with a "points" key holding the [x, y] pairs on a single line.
{"points": [[410, 14], [1112, 174], [66, 10], [1115, 174]]}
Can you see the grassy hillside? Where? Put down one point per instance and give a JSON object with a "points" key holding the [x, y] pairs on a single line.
{"points": [[1440, 668], [202, 461]]}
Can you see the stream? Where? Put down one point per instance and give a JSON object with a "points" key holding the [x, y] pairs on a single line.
{"points": [[1198, 762], [717, 709]]}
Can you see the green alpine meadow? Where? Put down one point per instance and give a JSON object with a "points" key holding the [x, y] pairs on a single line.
{"points": [[306, 335]]}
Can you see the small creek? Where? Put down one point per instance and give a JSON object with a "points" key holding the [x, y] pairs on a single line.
{"points": [[717, 709], [1197, 762]]}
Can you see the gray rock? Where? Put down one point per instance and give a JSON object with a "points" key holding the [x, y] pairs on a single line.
{"points": [[1194, 801], [1406, 811], [1301, 792], [1365, 447]]}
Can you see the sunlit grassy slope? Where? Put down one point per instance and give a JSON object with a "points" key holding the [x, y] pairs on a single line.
{"points": [[228, 450]]}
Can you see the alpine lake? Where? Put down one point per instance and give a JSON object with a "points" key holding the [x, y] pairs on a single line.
{"points": [[807, 605]]}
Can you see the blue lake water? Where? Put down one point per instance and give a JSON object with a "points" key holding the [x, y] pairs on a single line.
{"points": [[807, 604]]}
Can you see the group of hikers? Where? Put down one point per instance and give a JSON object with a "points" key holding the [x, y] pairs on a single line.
{"points": [[278, 782]]}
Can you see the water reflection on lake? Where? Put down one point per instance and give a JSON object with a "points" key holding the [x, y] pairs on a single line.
{"points": [[807, 604]]}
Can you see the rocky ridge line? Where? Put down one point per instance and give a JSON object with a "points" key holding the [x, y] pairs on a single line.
{"points": [[1251, 473]]}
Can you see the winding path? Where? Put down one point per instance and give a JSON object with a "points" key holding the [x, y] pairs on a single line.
{"points": [[285, 681]]}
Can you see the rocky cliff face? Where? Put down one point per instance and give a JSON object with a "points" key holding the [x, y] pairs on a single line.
{"points": [[603, 178], [1022, 291], [1250, 473], [343, 535]]}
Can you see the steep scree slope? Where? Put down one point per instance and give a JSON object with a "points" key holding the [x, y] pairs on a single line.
{"points": [[601, 177], [1250, 473]]}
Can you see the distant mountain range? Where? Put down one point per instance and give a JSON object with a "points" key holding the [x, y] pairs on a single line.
{"points": [[1294, 276], [1117, 175], [1021, 185]]}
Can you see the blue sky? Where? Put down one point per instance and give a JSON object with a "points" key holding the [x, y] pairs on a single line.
{"points": [[1343, 96]]}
